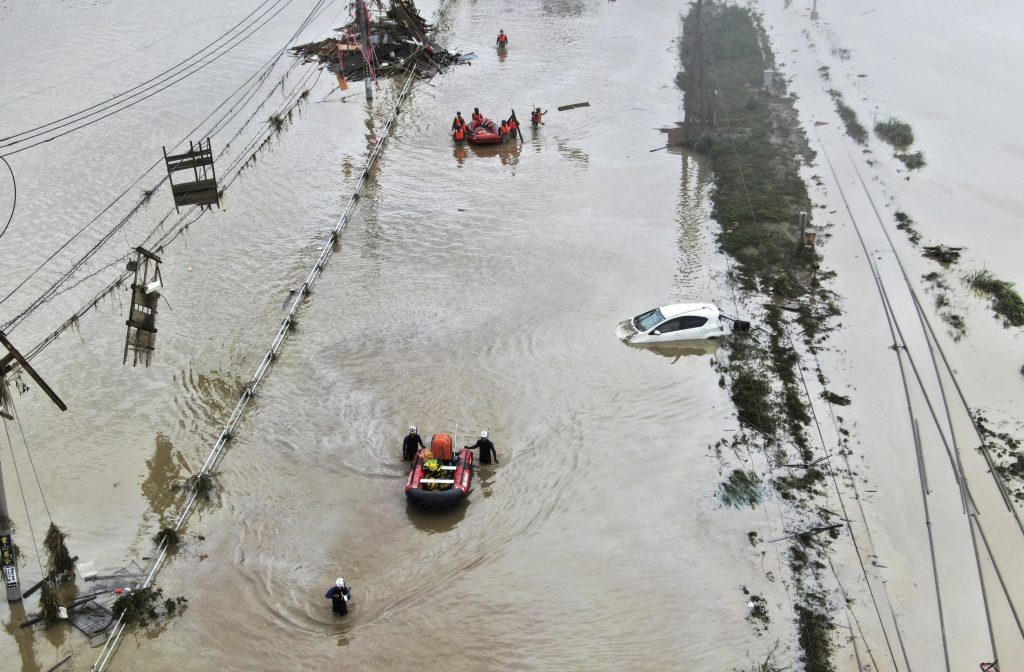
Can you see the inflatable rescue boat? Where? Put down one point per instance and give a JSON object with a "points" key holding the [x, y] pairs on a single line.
{"points": [[439, 477], [483, 133]]}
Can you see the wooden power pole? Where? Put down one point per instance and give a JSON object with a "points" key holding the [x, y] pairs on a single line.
{"points": [[8, 561]]}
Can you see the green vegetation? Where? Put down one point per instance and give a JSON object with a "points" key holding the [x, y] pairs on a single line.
{"points": [[849, 117], [835, 399], [141, 605], [897, 133], [753, 140], [1007, 450], [59, 565], [49, 606], [912, 161], [277, 122], [167, 535], [755, 147], [905, 224], [205, 485], [741, 488], [1006, 302], [815, 632]]}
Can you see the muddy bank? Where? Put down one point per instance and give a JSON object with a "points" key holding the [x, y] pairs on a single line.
{"points": [[739, 114]]}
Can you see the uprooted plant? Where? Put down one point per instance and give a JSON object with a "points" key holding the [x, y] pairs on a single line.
{"points": [[142, 606]]}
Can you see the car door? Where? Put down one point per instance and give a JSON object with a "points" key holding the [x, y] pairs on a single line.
{"points": [[666, 331], [692, 327]]}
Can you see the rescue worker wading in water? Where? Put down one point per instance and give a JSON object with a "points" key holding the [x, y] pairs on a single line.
{"points": [[409, 444], [502, 40], [460, 134], [459, 122], [339, 594], [537, 116], [477, 118], [513, 126], [486, 449], [503, 130]]}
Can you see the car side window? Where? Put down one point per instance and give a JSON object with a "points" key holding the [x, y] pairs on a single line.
{"points": [[671, 325], [692, 321]]}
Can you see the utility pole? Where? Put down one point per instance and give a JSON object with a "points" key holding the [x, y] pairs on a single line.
{"points": [[364, 34], [8, 562]]}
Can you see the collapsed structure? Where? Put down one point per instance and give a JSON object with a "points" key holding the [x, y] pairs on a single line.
{"points": [[381, 42]]}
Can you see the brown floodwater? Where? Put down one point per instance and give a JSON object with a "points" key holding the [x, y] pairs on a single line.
{"points": [[473, 290], [480, 288]]}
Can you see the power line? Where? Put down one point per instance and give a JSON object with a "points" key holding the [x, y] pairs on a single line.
{"points": [[230, 114], [137, 86], [169, 236], [14, 204], [24, 501], [135, 102]]}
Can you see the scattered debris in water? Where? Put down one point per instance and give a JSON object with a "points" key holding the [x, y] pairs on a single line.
{"points": [[398, 42], [741, 488], [943, 253], [141, 606], [913, 161], [1006, 302], [906, 224], [897, 133], [849, 117]]}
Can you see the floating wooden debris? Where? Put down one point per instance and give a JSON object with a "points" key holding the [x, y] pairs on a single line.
{"points": [[397, 42], [202, 190], [141, 336], [573, 106], [943, 253]]}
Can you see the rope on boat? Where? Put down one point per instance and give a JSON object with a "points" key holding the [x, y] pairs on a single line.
{"points": [[110, 646]]}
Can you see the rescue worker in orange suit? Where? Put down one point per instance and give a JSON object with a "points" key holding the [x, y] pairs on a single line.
{"points": [[459, 122], [513, 127], [502, 40], [503, 131], [487, 451], [477, 118], [537, 116], [460, 133]]}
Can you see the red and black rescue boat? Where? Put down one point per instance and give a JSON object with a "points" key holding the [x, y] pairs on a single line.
{"points": [[483, 132], [448, 484]]}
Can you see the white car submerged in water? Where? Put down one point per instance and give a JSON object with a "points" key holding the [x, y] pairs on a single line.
{"points": [[676, 322]]}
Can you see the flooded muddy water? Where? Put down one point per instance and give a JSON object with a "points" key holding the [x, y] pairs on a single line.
{"points": [[473, 290], [480, 288]]}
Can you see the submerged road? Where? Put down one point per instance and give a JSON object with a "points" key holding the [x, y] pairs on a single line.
{"points": [[474, 289]]}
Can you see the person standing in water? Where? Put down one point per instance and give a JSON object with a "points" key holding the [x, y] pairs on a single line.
{"points": [[487, 451], [339, 594], [502, 40], [409, 443]]}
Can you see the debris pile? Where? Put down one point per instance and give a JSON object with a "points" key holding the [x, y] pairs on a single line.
{"points": [[381, 43]]}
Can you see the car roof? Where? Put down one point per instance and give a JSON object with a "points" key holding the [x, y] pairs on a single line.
{"points": [[677, 309]]}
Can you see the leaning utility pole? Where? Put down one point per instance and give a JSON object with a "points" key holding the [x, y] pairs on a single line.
{"points": [[364, 35], [8, 561]]}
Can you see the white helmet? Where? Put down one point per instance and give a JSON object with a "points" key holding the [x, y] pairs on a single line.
{"points": [[412, 428], [340, 583], [483, 434]]}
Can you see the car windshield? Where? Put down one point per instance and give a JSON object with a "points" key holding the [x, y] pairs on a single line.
{"points": [[648, 320]]}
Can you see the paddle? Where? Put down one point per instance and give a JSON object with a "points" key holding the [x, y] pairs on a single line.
{"points": [[518, 130]]}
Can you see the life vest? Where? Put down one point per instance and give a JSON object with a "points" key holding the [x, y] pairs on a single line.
{"points": [[504, 129], [460, 133], [512, 125], [503, 39], [459, 122], [477, 118]]}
